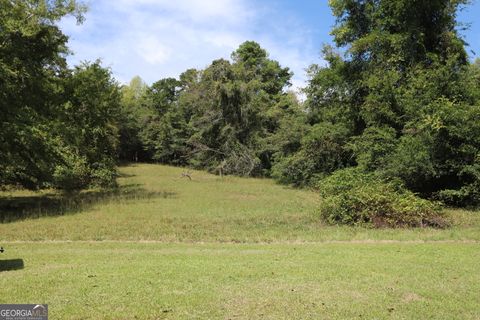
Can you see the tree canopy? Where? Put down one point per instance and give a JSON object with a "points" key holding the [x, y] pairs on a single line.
{"points": [[397, 102], [400, 101], [52, 128]]}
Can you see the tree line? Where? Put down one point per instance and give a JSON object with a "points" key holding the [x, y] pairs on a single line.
{"points": [[57, 125], [396, 106]]}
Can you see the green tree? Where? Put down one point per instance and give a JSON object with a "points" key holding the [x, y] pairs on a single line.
{"points": [[89, 128], [134, 114], [406, 93], [232, 111], [235, 116], [32, 66], [165, 132]]}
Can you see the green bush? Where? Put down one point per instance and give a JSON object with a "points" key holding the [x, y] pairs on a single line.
{"points": [[352, 197], [72, 174], [297, 169], [104, 176]]}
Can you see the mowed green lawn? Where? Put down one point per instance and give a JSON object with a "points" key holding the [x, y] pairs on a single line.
{"points": [[165, 247], [247, 281]]}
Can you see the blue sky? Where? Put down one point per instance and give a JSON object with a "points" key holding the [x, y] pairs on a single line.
{"points": [[161, 38]]}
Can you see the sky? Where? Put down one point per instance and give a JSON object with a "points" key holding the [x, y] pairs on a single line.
{"points": [[155, 39]]}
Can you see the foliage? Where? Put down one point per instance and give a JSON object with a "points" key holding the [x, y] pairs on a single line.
{"points": [[353, 197], [132, 118], [32, 65], [222, 118], [237, 113], [438, 149], [401, 101], [91, 115], [407, 94], [58, 127], [322, 152], [73, 173], [373, 147]]}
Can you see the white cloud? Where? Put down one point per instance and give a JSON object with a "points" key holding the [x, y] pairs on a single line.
{"points": [[222, 39], [152, 50], [162, 38], [194, 10]]}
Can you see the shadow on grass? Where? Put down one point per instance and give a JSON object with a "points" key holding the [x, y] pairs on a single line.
{"points": [[16, 208], [125, 175], [11, 265]]}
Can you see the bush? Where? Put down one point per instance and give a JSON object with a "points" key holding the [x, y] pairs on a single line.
{"points": [[297, 169], [104, 176], [352, 197], [72, 174]]}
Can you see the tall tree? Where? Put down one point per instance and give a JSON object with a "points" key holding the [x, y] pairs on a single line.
{"points": [[88, 128], [166, 131], [58, 127], [399, 101], [134, 114], [233, 119], [32, 65]]}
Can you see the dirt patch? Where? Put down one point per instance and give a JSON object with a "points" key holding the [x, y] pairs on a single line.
{"points": [[411, 297]]}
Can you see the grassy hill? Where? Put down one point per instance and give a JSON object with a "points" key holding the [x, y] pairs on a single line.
{"points": [[155, 203], [166, 247]]}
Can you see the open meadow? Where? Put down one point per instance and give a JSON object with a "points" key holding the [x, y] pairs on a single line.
{"points": [[166, 247], [336, 148]]}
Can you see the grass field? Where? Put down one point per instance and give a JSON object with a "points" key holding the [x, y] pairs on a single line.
{"points": [[165, 247]]}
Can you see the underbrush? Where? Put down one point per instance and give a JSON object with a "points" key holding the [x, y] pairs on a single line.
{"points": [[352, 197]]}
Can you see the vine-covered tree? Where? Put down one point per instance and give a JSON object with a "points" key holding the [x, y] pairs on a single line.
{"points": [[222, 118], [235, 116], [400, 100]]}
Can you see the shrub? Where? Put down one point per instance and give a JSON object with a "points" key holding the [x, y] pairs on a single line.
{"points": [[353, 197], [104, 176], [72, 174], [297, 169], [467, 196]]}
